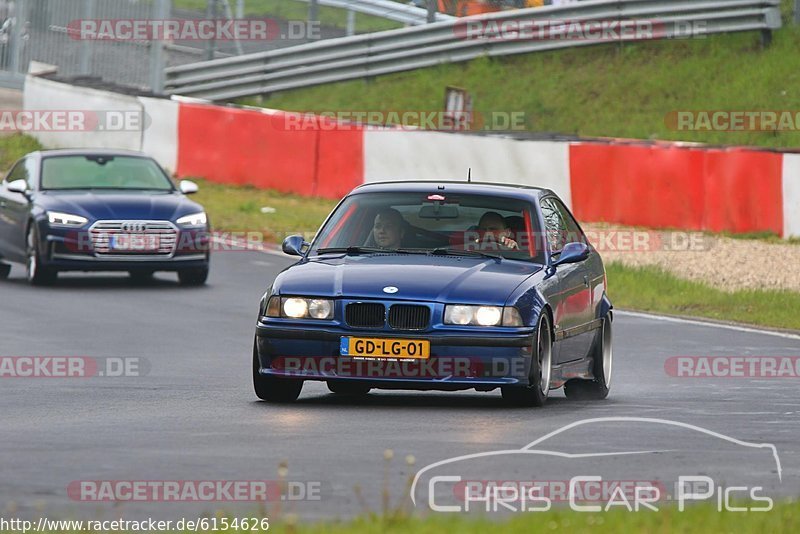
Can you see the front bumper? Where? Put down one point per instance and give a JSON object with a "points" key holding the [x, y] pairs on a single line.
{"points": [[458, 360], [72, 250]]}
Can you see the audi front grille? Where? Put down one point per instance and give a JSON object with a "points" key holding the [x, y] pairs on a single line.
{"points": [[165, 232]]}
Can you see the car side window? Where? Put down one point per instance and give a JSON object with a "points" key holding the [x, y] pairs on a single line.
{"points": [[17, 173], [555, 225], [574, 233]]}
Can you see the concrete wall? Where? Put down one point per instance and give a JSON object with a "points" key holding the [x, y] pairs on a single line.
{"points": [[420, 155], [110, 120]]}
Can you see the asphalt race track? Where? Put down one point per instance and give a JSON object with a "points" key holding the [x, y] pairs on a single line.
{"points": [[194, 415]]}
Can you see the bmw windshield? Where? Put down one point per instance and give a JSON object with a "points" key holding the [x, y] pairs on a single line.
{"points": [[424, 223]]}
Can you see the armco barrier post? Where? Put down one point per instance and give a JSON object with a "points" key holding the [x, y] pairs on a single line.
{"points": [[87, 45], [161, 11], [16, 43], [432, 8]]}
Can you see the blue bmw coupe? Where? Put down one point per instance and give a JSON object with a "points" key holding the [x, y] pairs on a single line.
{"points": [[439, 286], [100, 210]]}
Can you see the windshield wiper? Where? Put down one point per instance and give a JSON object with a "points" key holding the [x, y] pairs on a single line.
{"points": [[352, 250], [467, 253]]}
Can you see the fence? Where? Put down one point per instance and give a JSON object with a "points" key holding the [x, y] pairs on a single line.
{"points": [[405, 49], [39, 30]]}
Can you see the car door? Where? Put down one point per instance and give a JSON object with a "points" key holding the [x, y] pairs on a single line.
{"points": [[573, 310], [14, 212]]}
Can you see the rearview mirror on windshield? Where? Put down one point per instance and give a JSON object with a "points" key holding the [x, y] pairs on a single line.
{"points": [[438, 211]]}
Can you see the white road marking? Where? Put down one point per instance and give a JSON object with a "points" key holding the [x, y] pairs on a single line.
{"points": [[699, 322]]}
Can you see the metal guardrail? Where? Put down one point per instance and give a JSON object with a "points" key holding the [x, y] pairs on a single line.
{"points": [[388, 9], [373, 54]]}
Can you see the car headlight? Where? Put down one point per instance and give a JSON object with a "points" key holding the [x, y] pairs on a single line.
{"points": [[463, 315], [195, 219], [300, 308], [65, 219]]}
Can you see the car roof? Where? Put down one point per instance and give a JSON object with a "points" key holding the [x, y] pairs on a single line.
{"points": [[88, 152], [454, 187]]}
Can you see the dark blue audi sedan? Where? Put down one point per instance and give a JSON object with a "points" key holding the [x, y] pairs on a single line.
{"points": [[100, 210], [439, 286]]}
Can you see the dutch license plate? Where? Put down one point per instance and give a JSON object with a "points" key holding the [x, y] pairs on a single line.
{"points": [[134, 242], [361, 347]]}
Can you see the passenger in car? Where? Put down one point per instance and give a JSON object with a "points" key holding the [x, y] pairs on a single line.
{"points": [[494, 232]]}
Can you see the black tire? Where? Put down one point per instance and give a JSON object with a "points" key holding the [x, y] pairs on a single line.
{"points": [[274, 389], [193, 277], [602, 360], [37, 274], [538, 388], [348, 389], [5, 271], [141, 277]]}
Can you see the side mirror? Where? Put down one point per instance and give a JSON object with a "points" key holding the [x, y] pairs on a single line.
{"points": [[18, 186], [188, 187], [294, 245], [572, 253]]}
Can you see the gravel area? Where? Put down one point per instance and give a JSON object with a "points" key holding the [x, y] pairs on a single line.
{"points": [[725, 263]]}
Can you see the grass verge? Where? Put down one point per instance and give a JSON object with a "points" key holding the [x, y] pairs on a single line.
{"points": [[654, 290], [239, 209], [294, 10], [700, 519], [604, 90], [13, 147]]}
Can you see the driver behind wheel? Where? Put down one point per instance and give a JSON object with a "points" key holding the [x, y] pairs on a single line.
{"points": [[388, 229]]}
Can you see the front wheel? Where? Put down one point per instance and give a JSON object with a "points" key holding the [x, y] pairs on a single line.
{"points": [[37, 274], [538, 388], [274, 389], [602, 359], [5, 270], [193, 277]]}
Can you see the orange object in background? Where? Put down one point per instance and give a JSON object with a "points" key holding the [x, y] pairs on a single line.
{"points": [[465, 8]]}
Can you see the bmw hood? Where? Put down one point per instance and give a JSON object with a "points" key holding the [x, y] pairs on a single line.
{"points": [[118, 205], [416, 277]]}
